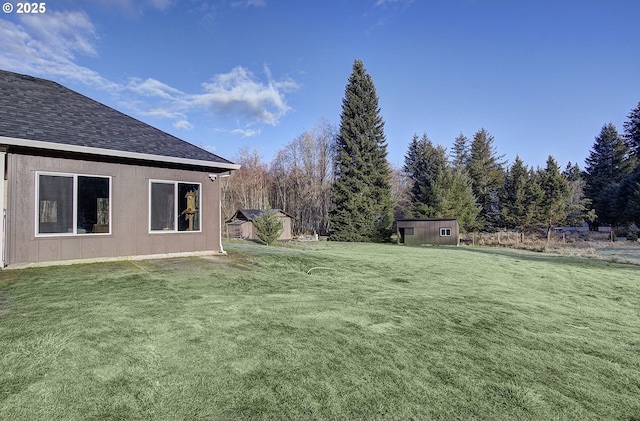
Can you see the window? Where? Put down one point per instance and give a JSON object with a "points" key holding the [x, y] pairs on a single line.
{"points": [[73, 204], [408, 231], [174, 206], [445, 232]]}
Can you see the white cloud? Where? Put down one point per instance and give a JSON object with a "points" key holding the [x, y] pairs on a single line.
{"points": [[160, 113], [240, 93], [66, 32], [151, 87], [160, 4], [388, 2], [234, 95], [136, 7], [49, 45], [246, 132], [240, 132], [183, 125], [249, 3]]}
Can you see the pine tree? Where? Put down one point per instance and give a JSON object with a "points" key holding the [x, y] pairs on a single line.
{"points": [[425, 165], [556, 193], [606, 166], [457, 199], [632, 133], [632, 213], [438, 190], [485, 169], [578, 205], [460, 151], [535, 193], [626, 196], [268, 227], [515, 198], [363, 210]]}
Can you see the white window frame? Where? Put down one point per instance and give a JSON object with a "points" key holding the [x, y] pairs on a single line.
{"points": [[445, 232], [175, 207], [74, 233]]}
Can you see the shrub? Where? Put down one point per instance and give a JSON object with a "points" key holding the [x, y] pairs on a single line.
{"points": [[268, 227]]}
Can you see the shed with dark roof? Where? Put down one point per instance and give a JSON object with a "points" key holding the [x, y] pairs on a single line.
{"points": [[240, 225], [83, 180]]}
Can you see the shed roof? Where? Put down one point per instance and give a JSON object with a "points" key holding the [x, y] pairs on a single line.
{"points": [[39, 113], [251, 214]]}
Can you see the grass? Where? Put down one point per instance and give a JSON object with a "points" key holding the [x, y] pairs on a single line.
{"points": [[391, 333]]}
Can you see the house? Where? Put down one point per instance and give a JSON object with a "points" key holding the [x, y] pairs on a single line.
{"points": [[84, 181], [434, 231], [240, 225]]}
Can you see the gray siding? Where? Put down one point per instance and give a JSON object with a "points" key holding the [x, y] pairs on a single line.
{"points": [[129, 212]]}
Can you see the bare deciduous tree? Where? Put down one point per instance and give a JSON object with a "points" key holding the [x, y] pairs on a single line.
{"points": [[400, 191], [246, 188], [301, 176]]}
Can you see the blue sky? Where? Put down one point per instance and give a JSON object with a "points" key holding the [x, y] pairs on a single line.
{"points": [[542, 76]]}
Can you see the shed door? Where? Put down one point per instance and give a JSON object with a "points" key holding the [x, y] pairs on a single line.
{"points": [[404, 232]]}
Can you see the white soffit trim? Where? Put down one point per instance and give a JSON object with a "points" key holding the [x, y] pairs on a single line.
{"points": [[113, 152]]}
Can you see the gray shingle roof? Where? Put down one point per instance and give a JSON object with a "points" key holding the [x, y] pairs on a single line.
{"points": [[43, 110], [251, 214]]}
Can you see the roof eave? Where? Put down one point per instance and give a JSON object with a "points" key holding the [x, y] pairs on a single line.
{"points": [[38, 144]]}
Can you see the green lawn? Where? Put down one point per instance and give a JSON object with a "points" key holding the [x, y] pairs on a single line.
{"points": [[390, 332]]}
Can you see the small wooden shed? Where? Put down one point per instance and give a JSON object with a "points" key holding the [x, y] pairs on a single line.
{"points": [[434, 231], [240, 225]]}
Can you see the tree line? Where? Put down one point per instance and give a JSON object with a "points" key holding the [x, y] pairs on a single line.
{"points": [[298, 181], [338, 182]]}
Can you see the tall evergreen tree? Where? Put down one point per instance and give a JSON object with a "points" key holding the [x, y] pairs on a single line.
{"points": [[632, 133], [457, 198], [460, 151], [363, 209], [438, 190], [519, 196], [578, 205], [425, 165], [536, 199], [606, 166], [632, 209], [556, 193], [485, 168], [626, 195], [629, 192]]}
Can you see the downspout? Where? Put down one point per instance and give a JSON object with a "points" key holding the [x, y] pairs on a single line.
{"points": [[219, 182], [3, 205]]}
